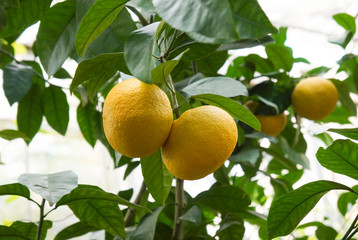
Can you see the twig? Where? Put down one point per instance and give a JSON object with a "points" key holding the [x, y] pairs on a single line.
{"points": [[140, 16], [39, 229], [179, 207], [348, 234], [128, 218]]}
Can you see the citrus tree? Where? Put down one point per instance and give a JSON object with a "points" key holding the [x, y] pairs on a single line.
{"points": [[150, 91]]}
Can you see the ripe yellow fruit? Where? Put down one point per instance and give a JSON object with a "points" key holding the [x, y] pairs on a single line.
{"points": [[137, 118], [314, 98], [272, 125], [200, 141]]}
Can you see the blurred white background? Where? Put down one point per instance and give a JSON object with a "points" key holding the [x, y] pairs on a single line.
{"points": [[310, 27]]}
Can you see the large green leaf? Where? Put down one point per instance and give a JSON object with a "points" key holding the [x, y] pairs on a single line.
{"points": [[89, 192], [75, 230], [29, 112], [288, 210], [234, 108], [51, 187], [146, 228], [100, 16], [56, 108], [10, 134], [281, 56], [56, 36], [98, 70], [224, 86], [156, 176], [251, 21], [10, 3], [86, 120], [225, 198], [19, 18], [347, 132], [139, 50], [341, 157], [15, 189], [17, 81], [206, 20], [100, 214]]}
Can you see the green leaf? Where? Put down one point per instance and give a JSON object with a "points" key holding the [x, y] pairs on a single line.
{"points": [[250, 20], [344, 96], [234, 108], [156, 176], [22, 230], [85, 118], [340, 157], [288, 210], [246, 43], [281, 56], [100, 16], [88, 192], [225, 198], [346, 201], [97, 71], [192, 215], [3, 18], [224, 86], [207, 20], [281, 36], [211, 64], [19, 18], [75, 230], [56, 108], [17, 81], [100, 214], [56, 35], [10, 134], [146, 228], [139, 50], [326, 233], [29, 112], [231, 228], [161, 73], [346, 21], [15, 189], [51, 187], [291, 154], [10, 3], [347, 132]]}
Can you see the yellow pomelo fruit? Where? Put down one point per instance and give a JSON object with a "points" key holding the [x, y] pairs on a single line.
{"points": [[272, 125], [137, 118], [199, 143], [314, 98]]}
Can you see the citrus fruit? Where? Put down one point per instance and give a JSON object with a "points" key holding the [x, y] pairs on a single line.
{"points": [[200, 141], [272, 125], [314, 98], [137, 118]]}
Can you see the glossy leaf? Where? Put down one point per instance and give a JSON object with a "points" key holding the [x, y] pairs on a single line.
{"points": [[231, 228], [225, 198], [347, 200], [250, 20], [347, 132], [10, 134], [51, 187], [23, 230], [75, 230], [193, 215], [19, 18], [346, 21], [146, 228], [100, 214], [56, 35], [224, 86], [156, 176], [62, 74], [288, 210], [340, 157], [234, 108], [30, 112], [85, 118], [281, 56], [97, 71], [207, 20], [139, 50], [56, 108], [100, 16], [15, 189], [17, 81], [161, 73]]}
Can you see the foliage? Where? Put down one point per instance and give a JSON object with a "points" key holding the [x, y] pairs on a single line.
{"points": [[180, 46]]}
